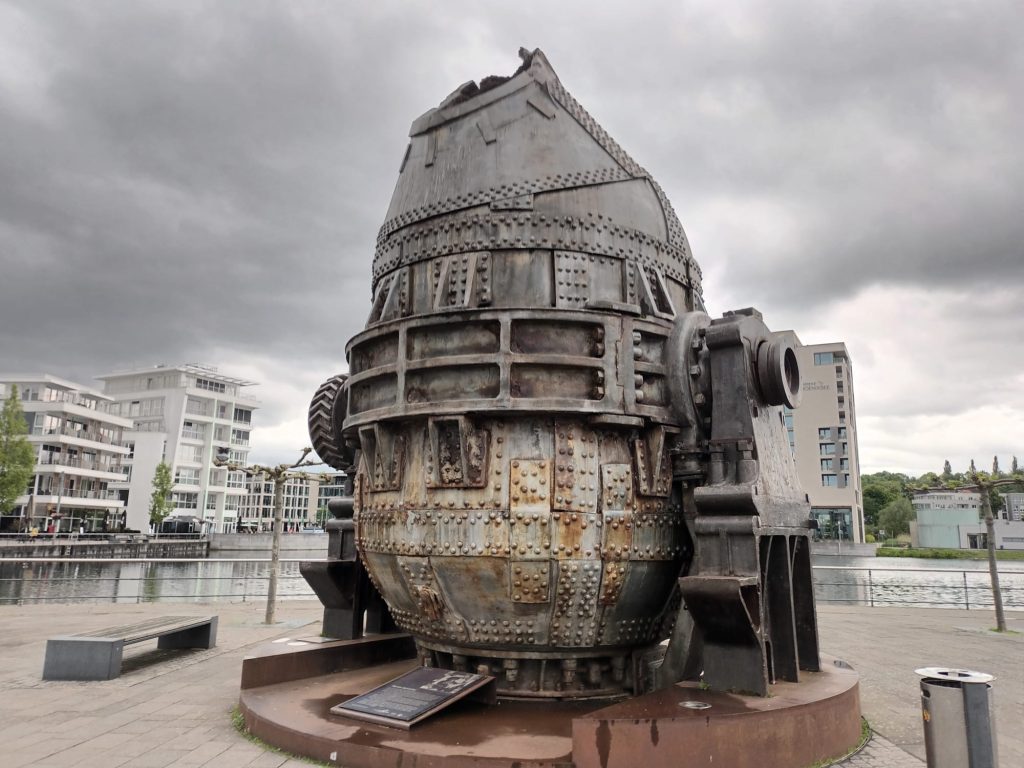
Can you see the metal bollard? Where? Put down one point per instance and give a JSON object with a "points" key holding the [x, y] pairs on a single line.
{"points": [[956, 706]]}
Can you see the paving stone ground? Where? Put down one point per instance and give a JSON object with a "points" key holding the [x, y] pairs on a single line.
{"points": [[173, 708]]}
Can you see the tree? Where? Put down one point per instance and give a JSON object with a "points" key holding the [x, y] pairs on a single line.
{"points": [[17, 457], [880, 489], [947, 469], [895, 517], [1013, 466], [160, 500], [995, 467]]}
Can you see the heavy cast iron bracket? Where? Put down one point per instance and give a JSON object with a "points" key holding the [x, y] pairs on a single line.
{"points": [[747, 617], [352, 605]]}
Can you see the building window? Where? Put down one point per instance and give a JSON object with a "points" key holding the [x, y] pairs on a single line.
{"points": [[197, 406], [826, 449], [243, 415], [788, 420], [839, 371], [829, 481], [846, 479], [844, 463], [845, 448], [822, 358], [239, 437], [185, 500], [824, 433], [190, 453], [842, 432], [193, 431], [186, 476], [826, 465], [212, 386]]}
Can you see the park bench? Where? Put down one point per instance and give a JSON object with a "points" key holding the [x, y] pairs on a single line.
{"points": [[97, 655]]}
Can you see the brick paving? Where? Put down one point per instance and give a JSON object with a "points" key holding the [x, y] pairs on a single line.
{"points": [[177, 712]]}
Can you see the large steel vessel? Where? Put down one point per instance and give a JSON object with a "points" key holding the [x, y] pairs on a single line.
{"points": [[531, 405]]}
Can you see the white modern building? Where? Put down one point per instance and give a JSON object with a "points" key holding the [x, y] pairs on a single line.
{"points": [[300, 498], [79, 456], [1013, 506], [183, 414], [941, 515], [823, 437]]}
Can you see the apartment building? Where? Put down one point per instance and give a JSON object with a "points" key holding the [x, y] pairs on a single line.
{"points": [[182, 415], [300, 498], [79, 455], [823, 438], [332, 485]]}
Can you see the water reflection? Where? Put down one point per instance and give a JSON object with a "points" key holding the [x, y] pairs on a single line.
{"points": [[134, 582], [914, 582], [239, 577]]}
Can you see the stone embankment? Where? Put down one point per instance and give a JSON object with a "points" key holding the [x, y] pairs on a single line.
{"points": [[260, 542], [112, 547]]}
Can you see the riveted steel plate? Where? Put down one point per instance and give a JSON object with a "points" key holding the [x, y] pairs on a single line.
{"points": [[575, 536], [576, 468], [575, 618], [530, 485], [611, 583], [529, 534], [617, 539], [572, 285], [616, 487], [529, 581]]}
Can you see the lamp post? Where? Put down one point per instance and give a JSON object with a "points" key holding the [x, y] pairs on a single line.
{"points": [[278, 475]]}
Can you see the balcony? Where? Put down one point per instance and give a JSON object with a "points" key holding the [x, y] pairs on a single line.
{"points": [[81, 434], [57, 460]]}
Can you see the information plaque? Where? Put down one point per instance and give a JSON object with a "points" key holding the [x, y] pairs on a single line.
{"points": [[416, 695]]}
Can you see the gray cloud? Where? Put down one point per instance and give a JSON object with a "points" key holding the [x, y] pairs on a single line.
{"points": [[203, 181]]}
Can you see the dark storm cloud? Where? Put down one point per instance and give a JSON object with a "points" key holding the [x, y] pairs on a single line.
{"points": [[196, 180]]}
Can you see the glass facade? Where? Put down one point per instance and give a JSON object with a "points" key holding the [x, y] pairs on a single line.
{"points": [[833, 523]]}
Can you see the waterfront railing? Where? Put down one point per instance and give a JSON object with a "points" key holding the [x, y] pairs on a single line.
{"points": [[31, 580]]}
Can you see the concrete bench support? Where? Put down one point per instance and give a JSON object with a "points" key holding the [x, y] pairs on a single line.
{"points": [[82, 658]]}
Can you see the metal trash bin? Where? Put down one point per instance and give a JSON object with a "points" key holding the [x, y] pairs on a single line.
{"points": [[956, 706]]}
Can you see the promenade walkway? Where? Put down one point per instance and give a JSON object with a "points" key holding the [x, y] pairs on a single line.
{"points": [[177, 712]]}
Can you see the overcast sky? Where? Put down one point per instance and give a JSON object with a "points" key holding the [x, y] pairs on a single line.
{"points": [[203, 182]]}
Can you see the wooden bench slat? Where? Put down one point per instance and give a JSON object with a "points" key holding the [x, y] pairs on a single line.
{"points": [[145, 630]]}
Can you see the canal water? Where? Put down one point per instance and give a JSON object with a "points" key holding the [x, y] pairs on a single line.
{"points": [[242, 576]]}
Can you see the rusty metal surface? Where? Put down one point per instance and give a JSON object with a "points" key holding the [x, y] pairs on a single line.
{"points": [[683, 726], [551, 431], [288, 693]]}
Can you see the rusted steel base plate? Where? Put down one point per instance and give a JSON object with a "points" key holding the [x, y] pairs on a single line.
{"points": [[795, 727]]}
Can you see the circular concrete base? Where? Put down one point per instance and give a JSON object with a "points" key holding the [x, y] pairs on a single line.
{"points": [[797, 725]]}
